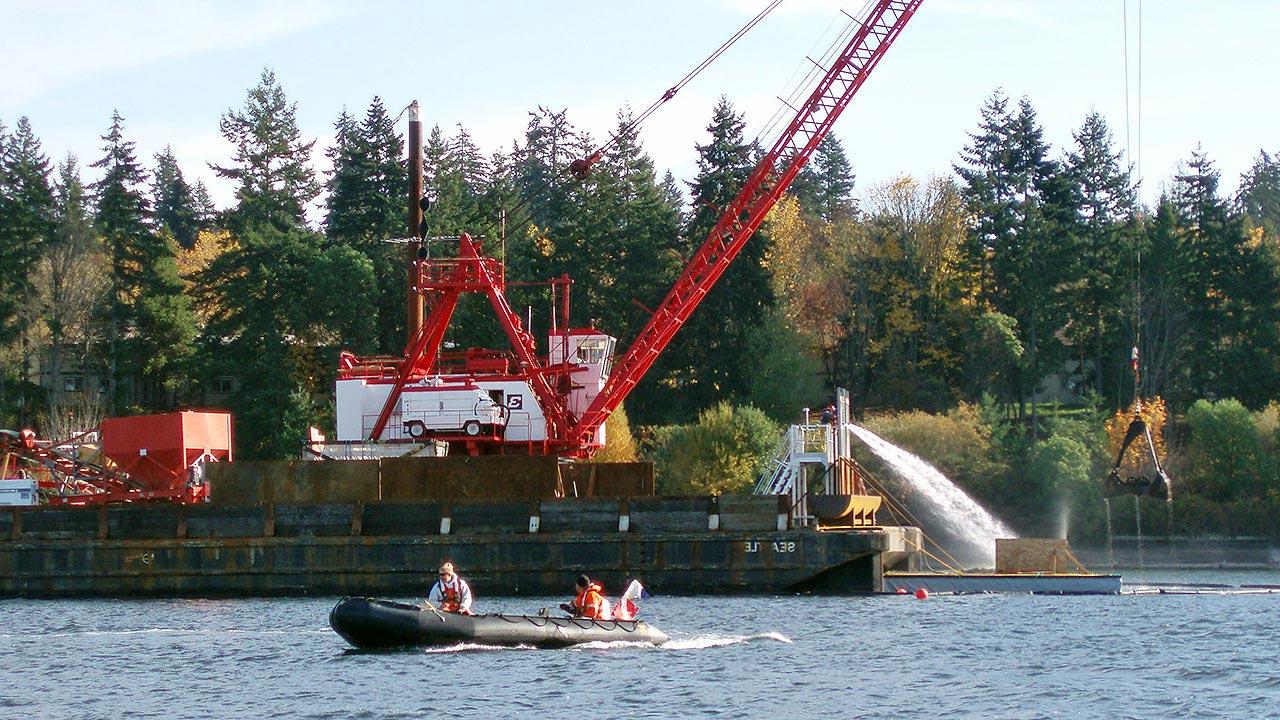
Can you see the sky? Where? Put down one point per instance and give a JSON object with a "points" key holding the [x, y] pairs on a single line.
{"points": [[173, 67]]}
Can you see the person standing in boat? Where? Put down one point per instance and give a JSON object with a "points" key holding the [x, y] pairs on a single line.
{"points": [[589, 602], [451, 593]]}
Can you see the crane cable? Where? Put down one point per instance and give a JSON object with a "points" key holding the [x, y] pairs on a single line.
{"points": [[582, 166], [1134, 152], [1136, 160], [815, 68], [578, 170]]}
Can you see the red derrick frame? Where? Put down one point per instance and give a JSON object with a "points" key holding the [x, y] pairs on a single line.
{"points": [[444, 281]]}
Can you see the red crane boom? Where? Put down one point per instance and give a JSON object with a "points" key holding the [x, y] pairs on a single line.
{"points": [[769, 180]]}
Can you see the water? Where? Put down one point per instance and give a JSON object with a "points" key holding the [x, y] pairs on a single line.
{"points": [[960, 517], [987, 656]]}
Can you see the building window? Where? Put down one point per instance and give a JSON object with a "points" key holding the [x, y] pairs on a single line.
{"points": [[226, 385], [73, 383]]}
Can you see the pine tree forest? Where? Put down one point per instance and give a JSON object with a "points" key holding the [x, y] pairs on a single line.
{"points": [[986, 319]]}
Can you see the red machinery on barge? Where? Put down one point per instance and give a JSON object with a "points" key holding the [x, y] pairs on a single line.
{"points": [[557, 403], [125, 459]]}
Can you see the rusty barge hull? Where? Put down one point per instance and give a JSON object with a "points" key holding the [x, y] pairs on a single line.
{"points": [[676, 545]]}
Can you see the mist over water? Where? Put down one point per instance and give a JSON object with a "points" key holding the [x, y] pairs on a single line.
{"points": [[972, 530]]}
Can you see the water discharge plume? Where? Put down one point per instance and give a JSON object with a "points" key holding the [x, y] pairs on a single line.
{"points": [[1064, 517], [963, 518]]}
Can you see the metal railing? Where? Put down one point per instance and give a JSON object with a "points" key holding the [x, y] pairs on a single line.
{"points": [[784, 474]]}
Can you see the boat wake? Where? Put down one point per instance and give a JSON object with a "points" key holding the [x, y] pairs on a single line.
{"points": [[702, 642], [697, 642], [112, 633], [472, 647]]}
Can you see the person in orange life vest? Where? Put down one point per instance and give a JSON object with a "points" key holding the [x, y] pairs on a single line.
{"points": [[451, 593], [589, 602]]}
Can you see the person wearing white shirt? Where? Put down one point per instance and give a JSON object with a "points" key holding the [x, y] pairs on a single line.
{"points": [[451, 593]]}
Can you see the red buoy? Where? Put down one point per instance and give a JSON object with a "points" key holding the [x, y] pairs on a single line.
{"points": [[922, 594]]}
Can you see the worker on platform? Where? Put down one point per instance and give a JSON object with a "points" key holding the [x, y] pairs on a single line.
{"points": [[451, 593], [589, 602]]}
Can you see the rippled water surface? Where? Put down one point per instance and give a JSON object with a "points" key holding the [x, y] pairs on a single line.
{"points": [[1008, 656]]}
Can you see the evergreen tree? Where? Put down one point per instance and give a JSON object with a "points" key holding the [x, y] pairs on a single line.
{"points": [[1097, 325], [1163, 324], [367, 187], [121, 220], [455, 180], [672, 193], [1233, 293], [281, 309], [366, 206], [824, 185], [633, 237], [545, 202], [270, 162], [703, 362], [166, 327], [1022, 248], [151, 324], [73, 277], [988, 193], [452, 205], [471, 163], [388, 176], [1259, 196], [281, 304], [206, 214], [173, 201], [543, 214], [26, 223], [342, 219]]}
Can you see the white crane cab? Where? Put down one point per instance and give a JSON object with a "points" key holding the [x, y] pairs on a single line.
{"points": [[591, 351]]}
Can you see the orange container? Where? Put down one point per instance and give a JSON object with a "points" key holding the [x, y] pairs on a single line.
{"points": [[158, 449]]}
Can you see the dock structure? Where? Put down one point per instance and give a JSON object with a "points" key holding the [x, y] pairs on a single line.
{"points": [[1039, 566], [983, 583]]}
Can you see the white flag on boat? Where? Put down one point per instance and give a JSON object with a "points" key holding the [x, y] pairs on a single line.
{"points": [[627, 607]]}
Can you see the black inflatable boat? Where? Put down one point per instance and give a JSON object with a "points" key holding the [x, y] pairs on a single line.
{"points": [[368, 623]]}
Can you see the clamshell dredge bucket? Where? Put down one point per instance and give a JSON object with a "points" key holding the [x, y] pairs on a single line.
{"points": [[1157, 486]]}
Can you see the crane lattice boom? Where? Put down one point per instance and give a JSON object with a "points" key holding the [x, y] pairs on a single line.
{"points": [[767, 183]]}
